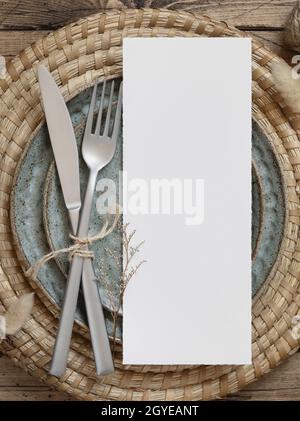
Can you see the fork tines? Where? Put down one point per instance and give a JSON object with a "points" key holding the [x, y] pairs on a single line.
{"points": [[100, 127]]}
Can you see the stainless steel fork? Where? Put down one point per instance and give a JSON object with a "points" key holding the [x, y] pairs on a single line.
{"points": [[97, 150]]}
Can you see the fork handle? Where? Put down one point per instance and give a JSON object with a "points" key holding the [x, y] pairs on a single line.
{"points": [[98, 332], [94, 309], [64, 334]]}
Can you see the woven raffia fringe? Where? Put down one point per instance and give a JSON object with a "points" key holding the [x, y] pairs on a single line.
{"points": [[77, 55]]}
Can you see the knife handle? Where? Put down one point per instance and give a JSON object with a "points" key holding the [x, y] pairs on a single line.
{"points": [[104, 362], [64, 333]]}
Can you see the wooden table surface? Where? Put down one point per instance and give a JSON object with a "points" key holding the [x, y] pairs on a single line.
{"points": [[23, 22]]}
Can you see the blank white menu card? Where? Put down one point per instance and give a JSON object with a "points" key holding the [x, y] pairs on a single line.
{"points": [[187, 195]]}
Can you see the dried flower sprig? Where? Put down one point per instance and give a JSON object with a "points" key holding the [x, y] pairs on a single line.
{"points": [[18, 313], [115, 291], [287, 85]]}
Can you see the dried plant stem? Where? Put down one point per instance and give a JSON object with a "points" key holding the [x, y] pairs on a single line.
{"points": [[288, 84], [127, 271], [18, 313], [114, 333]]}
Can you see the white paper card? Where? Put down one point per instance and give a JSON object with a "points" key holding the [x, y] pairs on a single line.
{"points": [[187, 193]]}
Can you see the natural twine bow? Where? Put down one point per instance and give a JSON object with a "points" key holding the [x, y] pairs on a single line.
{"points": [[79, 248]]}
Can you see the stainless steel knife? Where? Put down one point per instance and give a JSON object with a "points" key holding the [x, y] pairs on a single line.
{"points": [[65, 151], [63, 143]]}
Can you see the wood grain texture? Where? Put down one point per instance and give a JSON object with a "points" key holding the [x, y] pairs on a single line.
{"points": [[23, 22], [39, 14], [283, 383], [16, 384], [12, 42]]}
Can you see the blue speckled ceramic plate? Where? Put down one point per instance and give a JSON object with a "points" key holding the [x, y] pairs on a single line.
{"points": [[40, 220]]}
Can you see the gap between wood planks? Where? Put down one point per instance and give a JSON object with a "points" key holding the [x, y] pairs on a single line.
{"points": [[55, 13], [283, 383], [23, 22]]}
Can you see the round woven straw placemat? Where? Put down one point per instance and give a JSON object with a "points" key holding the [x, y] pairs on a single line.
{"points": [[77, 55]]}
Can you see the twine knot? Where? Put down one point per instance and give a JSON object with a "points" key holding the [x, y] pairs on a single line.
{"points": [[80, 245], [80, 248]]}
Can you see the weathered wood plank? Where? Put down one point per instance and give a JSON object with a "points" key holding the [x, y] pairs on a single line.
{"points": [[286, 376], [268, 395], [33, 395], [16, 384], [54, 13], [12, 42], [274, 40], [283, 383]]}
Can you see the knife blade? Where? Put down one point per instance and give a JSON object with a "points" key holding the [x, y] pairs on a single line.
{"points": [[65, 152], [63, 143]]}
